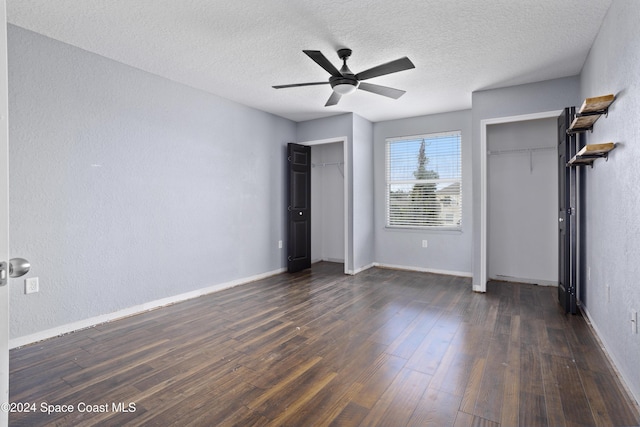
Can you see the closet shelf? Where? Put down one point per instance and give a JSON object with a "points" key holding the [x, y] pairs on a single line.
{"points": [[590, 152], [590, 112]]}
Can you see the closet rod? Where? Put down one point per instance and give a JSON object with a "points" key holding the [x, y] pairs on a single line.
{"points": [[327, 164], [520, 150], [523, 150]]}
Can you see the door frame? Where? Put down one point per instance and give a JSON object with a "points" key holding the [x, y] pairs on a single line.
{"points": [[347, 185], [4, 213], [481, 284]]}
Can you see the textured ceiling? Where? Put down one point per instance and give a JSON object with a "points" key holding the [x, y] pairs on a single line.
{"points": [[239, 49]]}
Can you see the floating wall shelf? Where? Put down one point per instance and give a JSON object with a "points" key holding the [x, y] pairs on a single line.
{"points": [[590, 112], [590, 152]]}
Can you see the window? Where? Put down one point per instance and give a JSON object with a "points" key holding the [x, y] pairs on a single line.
{"points": [[424, 181]]}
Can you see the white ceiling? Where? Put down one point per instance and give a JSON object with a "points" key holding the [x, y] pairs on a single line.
{"points": [[238, 49]]}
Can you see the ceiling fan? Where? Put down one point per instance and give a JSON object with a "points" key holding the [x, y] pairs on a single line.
{"points": [[344, 82]]}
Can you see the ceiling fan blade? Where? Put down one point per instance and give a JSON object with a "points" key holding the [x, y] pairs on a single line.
{"points": [[387, 68], [322, 61], [299, 84], [381, 90], [333, 99]]}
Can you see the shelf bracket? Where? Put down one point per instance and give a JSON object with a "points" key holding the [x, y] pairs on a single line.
{"points": [[604, 111], [579, 130]]}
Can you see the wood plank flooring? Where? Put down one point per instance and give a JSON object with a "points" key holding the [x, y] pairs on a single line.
{"points": [[385, 347]]}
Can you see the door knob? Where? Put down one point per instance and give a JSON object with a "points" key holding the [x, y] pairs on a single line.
{"points": [[18, 267]]}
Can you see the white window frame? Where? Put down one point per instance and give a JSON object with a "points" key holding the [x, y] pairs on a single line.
{"points": [[412, 223]]}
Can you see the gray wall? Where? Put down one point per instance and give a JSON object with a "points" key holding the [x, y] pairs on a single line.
{"points": [[127, 188], [531, 98], [359, 170], [327, 202], [362, 193], [612, 188], [326, 128], [340, 126], [522, 202], [447, 251]]}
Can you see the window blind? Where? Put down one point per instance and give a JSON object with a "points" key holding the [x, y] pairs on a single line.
{"points": [[424, 181]]}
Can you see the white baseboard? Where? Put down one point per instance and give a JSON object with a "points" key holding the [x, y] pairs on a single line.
{"points": [[404, 267], [338, 260], [540, 282], [635, 394], [141, 308], [424, 270], [361, 269]]}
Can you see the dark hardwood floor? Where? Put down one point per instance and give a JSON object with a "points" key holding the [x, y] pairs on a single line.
{"points": [[385, 347]]}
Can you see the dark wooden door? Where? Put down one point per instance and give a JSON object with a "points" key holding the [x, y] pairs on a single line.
{"points": [[299, 209], [566, 227]]}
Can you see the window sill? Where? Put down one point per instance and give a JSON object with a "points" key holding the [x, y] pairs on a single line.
{"points": [[438, 230]]}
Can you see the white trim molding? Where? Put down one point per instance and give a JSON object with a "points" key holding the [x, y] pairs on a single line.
{"points": [[361, 269], [137, 309], [622, 376], [512, 279], [347, 185], [481, 285], [424, 270]]}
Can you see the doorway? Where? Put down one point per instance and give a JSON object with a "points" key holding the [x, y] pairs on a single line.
{"points": [[481, 284], [522, 201], [330, 182], [327, 203], [4, 215]]}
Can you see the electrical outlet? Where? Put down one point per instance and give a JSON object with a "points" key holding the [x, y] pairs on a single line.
{"points": [[425, 244], [31, 285], [588, 273], [279, 244]]}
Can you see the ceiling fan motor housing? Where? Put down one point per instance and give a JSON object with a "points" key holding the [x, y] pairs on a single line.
{"points": [[347, 78]]}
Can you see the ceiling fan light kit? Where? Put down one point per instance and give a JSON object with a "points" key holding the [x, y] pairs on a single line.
{"points": [[345, 88], [344, 82]]}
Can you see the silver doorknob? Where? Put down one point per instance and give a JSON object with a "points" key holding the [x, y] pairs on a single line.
{"points": [[18, 267], [560, 219]]}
